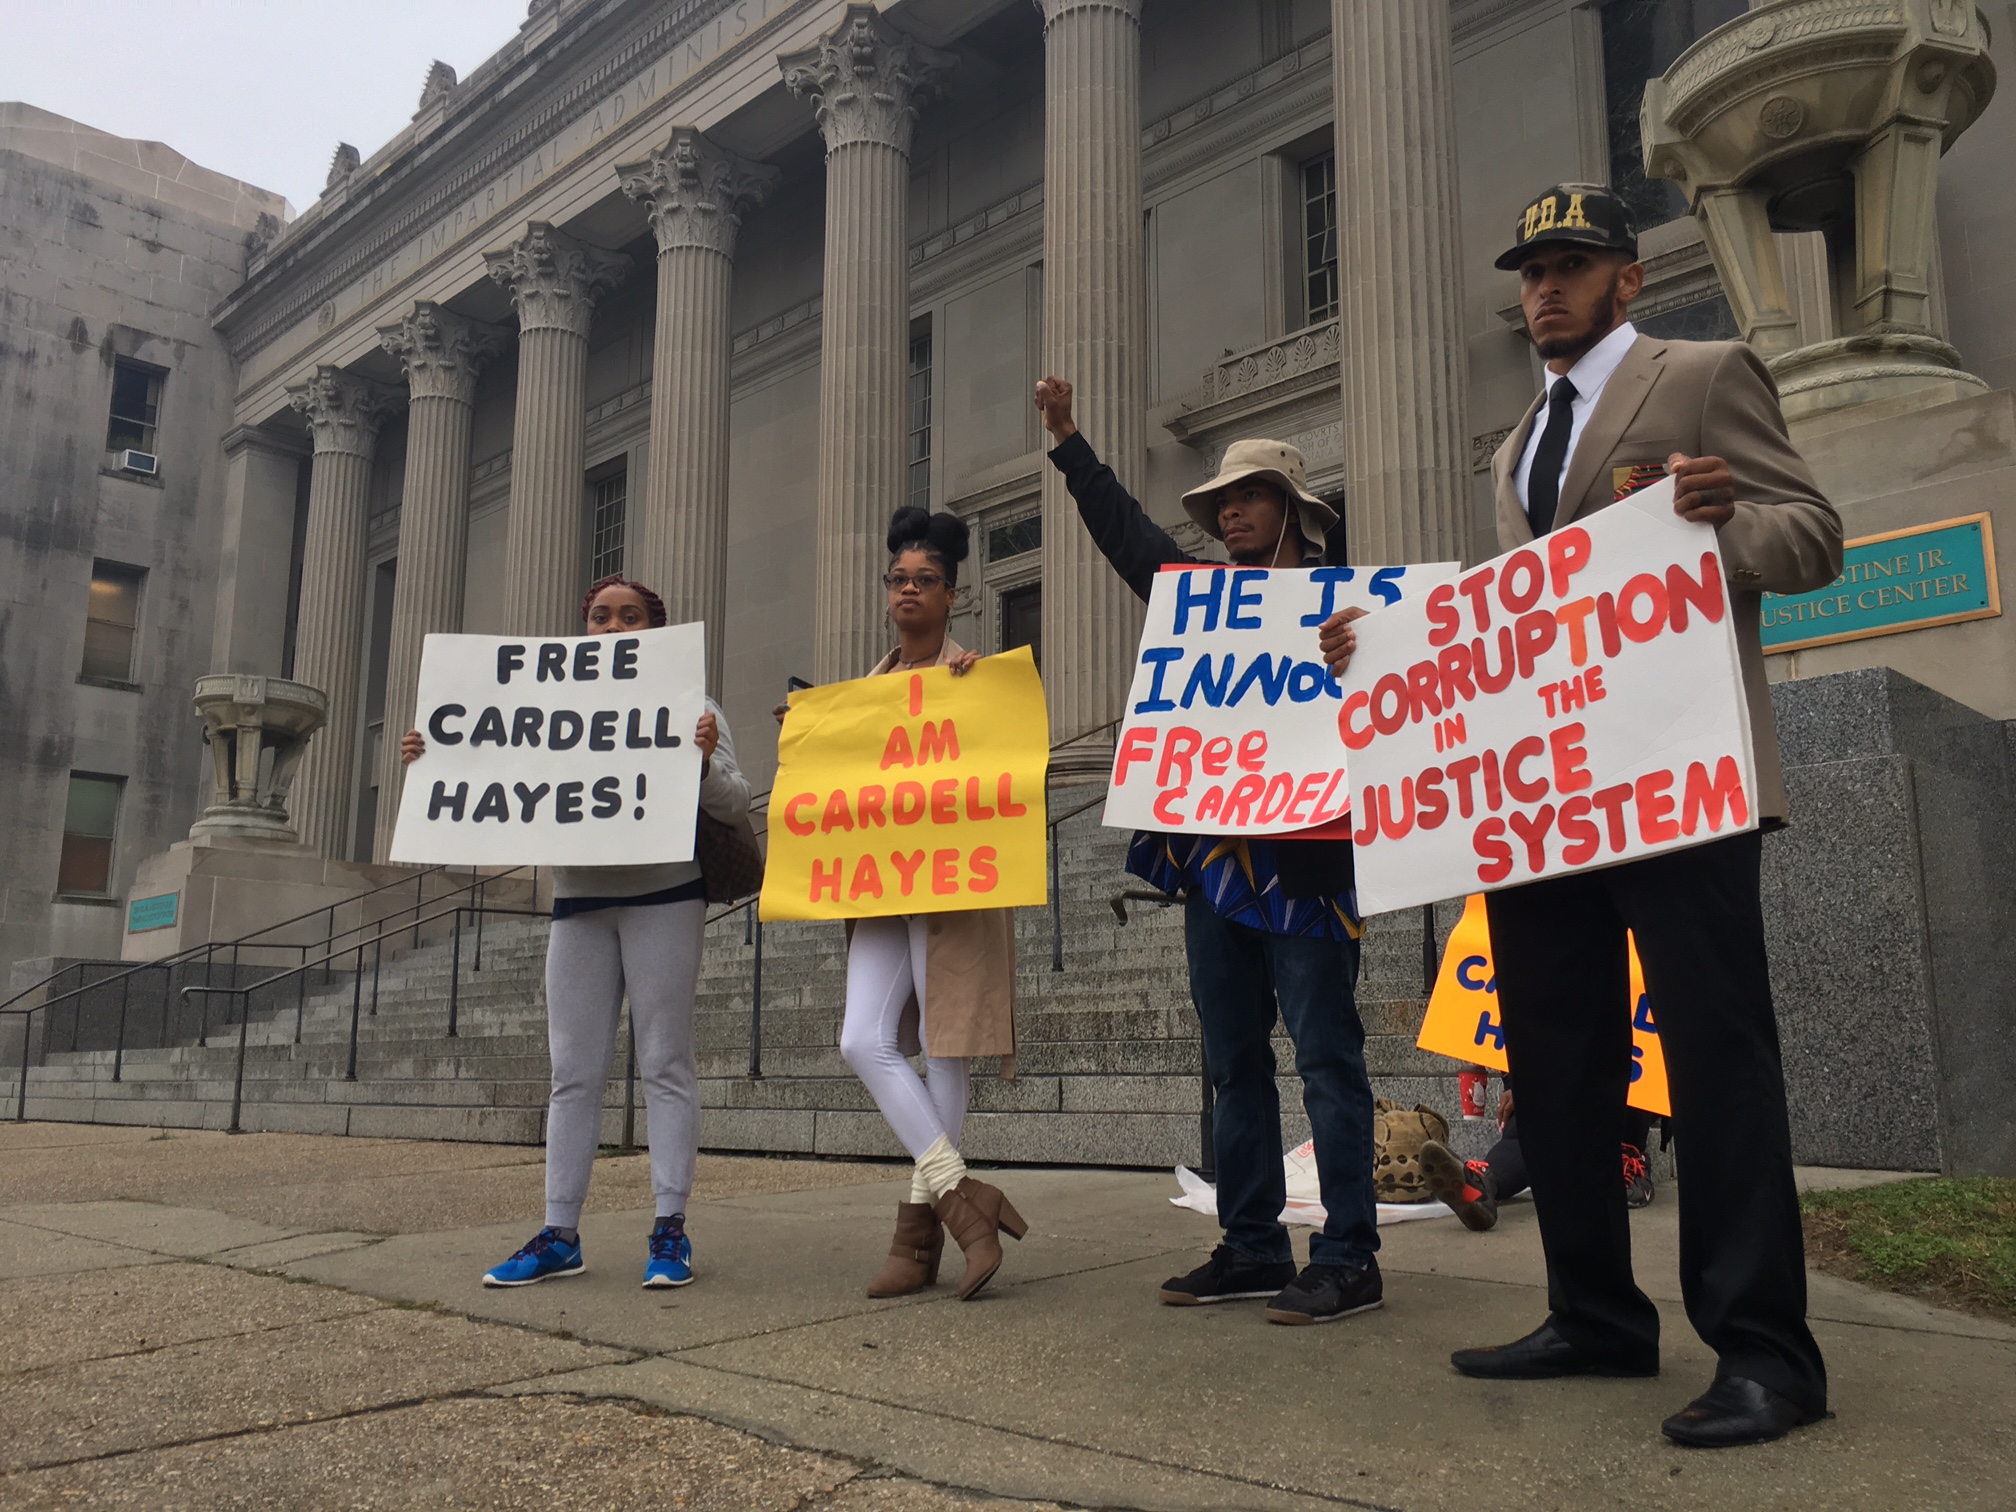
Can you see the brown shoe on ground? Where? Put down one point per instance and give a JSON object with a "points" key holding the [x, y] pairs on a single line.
{"points": [[976, 1215], [1464, 1186], [913, 1254]]}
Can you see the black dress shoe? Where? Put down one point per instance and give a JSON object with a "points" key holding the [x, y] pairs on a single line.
{"points": [[1736, 1411], [1542, 1355]]}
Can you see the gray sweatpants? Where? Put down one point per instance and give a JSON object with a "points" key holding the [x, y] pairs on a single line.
{"points": [[655, 952]]}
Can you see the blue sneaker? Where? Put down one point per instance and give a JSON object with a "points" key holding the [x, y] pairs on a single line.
{"points": [[547, 1255], [671, 1262]]}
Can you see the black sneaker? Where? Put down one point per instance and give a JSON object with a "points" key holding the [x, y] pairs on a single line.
{"points": [[1637, 1178], [1228, 1276], [1325, 1293]]}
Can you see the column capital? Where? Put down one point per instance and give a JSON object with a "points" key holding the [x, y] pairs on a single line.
{"points": [[1052, 9], [441, 351], [866, 80], [344, 412], [555, 280], [696, 193]]}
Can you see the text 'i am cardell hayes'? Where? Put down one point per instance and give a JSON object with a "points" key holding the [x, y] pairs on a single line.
{"points": [[1573, 703], [558, 752], [918, 792]]}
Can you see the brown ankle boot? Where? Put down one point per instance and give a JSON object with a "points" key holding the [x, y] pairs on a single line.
{"points": [[976, 1214], [913, 1255]]}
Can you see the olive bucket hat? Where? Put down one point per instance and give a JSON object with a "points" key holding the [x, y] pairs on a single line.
{"points": [[1275, 462]]}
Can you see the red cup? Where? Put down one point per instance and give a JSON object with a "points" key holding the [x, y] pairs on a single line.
{"points": [[1472, 1085]]}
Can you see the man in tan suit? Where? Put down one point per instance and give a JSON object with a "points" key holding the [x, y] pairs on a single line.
{"points": [[1622, 410]]}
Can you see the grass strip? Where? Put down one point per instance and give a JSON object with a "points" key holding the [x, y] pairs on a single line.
{"points": [[1951, 1242]]}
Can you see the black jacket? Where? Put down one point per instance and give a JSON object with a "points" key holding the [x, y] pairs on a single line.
{"points": [[1138, 548]]}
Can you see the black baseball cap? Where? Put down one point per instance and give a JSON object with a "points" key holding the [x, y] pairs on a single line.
{"points": [[1586, 213]]}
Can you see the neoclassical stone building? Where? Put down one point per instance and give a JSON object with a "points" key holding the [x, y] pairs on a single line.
{"points": [[701, 289]]}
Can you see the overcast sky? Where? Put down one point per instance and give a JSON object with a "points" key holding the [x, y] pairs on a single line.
{"points": [[260, 89]]}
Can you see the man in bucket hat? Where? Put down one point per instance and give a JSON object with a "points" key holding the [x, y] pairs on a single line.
{"points": [[1270, 930]]}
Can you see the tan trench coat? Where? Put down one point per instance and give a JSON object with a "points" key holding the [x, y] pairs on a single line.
{"points": [[969, 969]]}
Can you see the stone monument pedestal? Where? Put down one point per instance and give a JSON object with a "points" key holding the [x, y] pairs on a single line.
{"points": [[224, 887]]}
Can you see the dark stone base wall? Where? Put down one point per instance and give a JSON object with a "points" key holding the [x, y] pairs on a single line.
{"points": [[1891, 911]]}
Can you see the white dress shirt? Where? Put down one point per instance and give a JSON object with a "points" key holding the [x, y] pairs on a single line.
{"points": [[1589, 375]]}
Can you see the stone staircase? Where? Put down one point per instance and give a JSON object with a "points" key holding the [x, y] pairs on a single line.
{"points": [[1109, 1062]]}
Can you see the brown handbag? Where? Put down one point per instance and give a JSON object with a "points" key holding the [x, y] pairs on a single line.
{"points": [[731, 862]]}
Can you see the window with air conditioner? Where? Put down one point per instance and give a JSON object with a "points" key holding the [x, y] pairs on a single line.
{"points": [[131, 431], [90, 828], [112, 623]]}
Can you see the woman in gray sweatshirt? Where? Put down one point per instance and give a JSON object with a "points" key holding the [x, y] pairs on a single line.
{"points": [[637, 927]]}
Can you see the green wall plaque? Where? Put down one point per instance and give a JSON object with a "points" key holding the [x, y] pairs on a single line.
{"points": [[1938, 574], [151, 913]]}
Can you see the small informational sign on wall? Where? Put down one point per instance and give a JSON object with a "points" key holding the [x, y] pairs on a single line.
{"points": [[563, 752], [915, 792], [158, 912], [1231, 725], [1937, 574], [1571, 704], [1463, 1021]]}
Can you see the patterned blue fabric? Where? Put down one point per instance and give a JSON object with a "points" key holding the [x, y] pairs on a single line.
{"points": [[1238, 879]]}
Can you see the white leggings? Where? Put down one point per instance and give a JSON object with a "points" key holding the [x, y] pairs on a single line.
{"points": [[885, 963]]}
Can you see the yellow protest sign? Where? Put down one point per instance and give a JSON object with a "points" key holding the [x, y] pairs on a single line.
{"points": [[914, 792], [1463, 1021]]}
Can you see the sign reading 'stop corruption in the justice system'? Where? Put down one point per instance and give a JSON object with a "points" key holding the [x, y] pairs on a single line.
{"points": [[1462, 1021], [1231, 725], [1571, 704], [561, 752], [914, 792]]}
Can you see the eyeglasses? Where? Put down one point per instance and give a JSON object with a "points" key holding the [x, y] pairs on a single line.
{"points": [[924, 582]]}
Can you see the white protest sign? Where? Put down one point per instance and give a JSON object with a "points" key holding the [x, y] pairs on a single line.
{"points": [[1231, 725], [562, 752], [1571, 704]]}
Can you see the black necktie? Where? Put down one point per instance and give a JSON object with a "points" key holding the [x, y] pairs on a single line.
{"points": [[1543, 483]]}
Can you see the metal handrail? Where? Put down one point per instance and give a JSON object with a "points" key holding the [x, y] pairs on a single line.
{"points": [[184, 957], [396, 925], [399, 924]]}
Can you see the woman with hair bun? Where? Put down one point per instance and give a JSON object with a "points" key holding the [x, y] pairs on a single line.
{"points": [[943, 983], [635, 924]]}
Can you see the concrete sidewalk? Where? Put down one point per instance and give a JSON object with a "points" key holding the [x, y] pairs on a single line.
{"points": [[157, 1355]]}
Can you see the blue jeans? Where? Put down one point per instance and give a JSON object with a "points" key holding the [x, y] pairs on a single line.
{"points": [[1238, 975]]}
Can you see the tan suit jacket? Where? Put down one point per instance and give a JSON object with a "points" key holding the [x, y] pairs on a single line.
{"points": [[1704, 399], [969, 970]]}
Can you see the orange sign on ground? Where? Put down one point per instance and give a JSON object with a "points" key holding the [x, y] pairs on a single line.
{"points": [[1463, 1021]]}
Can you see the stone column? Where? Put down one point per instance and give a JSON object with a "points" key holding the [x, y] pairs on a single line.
{"points": [[262, 488], [868, 83], [1406, 373], [344, 413], [696, 195], [1095, 335], [442, 353], [554, 282]]}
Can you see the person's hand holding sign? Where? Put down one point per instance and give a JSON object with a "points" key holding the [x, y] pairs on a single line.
{"points": [[1338, 640], [1704, 489]]}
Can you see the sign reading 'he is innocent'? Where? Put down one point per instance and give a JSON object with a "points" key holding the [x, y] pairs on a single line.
{"points": [[563, 752]]}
